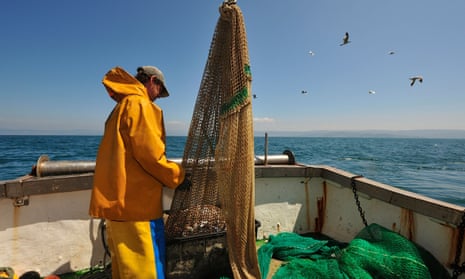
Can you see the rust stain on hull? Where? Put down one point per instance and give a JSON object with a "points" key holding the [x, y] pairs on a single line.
{"points": [[454, 236], [407, 224], [307, 203], [15, 234], [321, 207]]}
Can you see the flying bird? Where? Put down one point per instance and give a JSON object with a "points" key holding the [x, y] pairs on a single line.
{"points": [[304, 92], [311, 53], [254, 96], [391, 52], [371, 92], [345, 40], [415, 78]]}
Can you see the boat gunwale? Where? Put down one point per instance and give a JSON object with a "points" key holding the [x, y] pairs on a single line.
{"points": [[443, 212]]}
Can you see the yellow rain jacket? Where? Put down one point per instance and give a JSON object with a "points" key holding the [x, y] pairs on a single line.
{"points": [[131, 166]]}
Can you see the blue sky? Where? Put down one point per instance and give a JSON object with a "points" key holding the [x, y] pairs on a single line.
{"points": [[53, 55]]}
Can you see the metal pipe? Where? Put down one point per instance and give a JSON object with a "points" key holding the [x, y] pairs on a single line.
{"points": [[272, 159], [45, 167], [287, 158]]}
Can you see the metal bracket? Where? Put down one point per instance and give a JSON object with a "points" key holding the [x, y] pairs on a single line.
{"points": [[14, 190], [21, 201]]}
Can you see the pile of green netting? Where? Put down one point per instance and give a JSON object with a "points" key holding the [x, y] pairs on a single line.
{"points": [[97, 272], [375, 252]]}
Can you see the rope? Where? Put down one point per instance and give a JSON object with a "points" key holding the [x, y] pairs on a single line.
{"points": [[103, 235]]}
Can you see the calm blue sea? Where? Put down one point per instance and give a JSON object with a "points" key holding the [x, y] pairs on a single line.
{"points": [[433, 167]]}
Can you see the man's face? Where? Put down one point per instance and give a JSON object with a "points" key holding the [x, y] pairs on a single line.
{"points": [[154, 88]]}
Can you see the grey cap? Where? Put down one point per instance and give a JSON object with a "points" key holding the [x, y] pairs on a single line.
{"points": [[154, 71]]}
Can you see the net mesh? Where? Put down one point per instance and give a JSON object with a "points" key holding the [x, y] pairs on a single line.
{"points": [[375, 252], [219, 151]]}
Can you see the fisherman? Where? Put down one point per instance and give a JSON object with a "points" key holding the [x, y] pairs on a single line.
{"points": [[130, 173]]}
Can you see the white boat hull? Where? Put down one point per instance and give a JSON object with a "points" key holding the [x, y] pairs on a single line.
{"points": [[50, 231]]}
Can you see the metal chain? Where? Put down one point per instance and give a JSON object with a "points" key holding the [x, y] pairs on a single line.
{"points": [[357, 201], [459, 269]]}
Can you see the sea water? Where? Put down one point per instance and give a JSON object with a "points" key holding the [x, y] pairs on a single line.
{"points": [[432, 167]]}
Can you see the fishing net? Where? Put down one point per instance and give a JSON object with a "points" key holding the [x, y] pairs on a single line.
{"points": [[219, 151], [375, 252]]}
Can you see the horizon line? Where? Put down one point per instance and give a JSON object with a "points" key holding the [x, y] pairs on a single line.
{"points": [[420, 133]]}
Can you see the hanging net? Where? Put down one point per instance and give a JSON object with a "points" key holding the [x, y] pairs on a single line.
{"points": [[219, 151]]}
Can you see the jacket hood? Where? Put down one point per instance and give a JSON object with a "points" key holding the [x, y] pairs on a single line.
{"points": [[120, 83]]}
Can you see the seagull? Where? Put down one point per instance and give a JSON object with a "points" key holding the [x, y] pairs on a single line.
{"points": [[345, 40], [371, 92], [304, 92], [311, 53], [415, 78]]}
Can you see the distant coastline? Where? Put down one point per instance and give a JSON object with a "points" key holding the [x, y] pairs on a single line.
{"points": [[425, 133], [12, 132], [433, 133]]}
